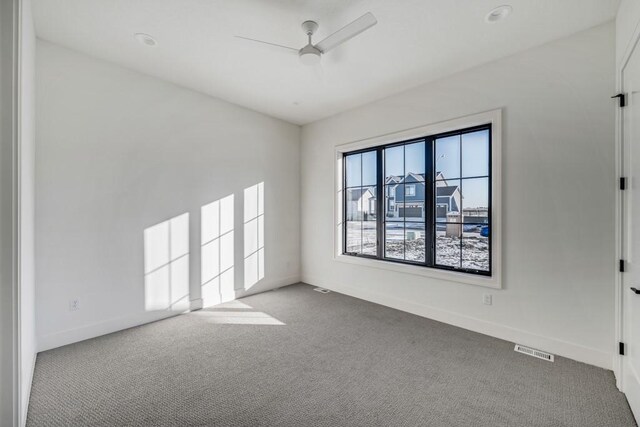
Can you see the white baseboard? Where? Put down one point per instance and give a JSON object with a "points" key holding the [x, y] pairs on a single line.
{"points": [[70, 336], [196, 304], [96, 329], [631, 388], [268, 286], [25, 408], [562, 348]]}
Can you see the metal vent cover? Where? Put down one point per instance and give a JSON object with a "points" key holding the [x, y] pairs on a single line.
{"points": [[533, 352], [322, 290]]}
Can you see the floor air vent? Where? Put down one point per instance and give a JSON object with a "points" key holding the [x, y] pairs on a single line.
{"points": [[533, 352], [322, 290]]}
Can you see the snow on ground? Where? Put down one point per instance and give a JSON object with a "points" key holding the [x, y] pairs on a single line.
{"points": [[413, 249], [474, 250]]}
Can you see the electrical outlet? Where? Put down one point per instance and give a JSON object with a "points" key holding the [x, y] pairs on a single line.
{"points": [[74, 304], [487, 299]]}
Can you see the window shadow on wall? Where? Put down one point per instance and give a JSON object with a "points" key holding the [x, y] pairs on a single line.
{"points": [[217, 250], [166, 265], [253, 235]]}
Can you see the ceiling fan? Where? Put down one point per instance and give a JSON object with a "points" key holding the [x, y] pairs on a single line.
{"points": [[310, 54]]}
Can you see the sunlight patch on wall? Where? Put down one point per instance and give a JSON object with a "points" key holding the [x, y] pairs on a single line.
{"points": [[216, 267], [253, 235], [166, 265]]}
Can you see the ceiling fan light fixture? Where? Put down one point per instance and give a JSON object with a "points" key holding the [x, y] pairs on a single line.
{"points": [[310, 55]]}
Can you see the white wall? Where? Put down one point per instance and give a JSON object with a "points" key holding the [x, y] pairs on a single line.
{"points": [[627, 22], [27, 203], [118, 152], [558, 198]]}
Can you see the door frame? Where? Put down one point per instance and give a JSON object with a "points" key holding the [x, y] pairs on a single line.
{"points": [[10, 139], [634, 43]]}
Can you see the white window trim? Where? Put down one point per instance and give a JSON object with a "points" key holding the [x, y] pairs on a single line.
{"points": [[413, 189], [495, 118]]}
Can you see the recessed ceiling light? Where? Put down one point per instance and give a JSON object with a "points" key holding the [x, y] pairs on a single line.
{"points": [[145, 39], [498, 14]]}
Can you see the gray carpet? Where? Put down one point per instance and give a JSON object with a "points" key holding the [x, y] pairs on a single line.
{"points": [[295, 357]]}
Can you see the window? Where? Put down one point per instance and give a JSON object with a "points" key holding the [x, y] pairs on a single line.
{"points": [[360, 203], [424, 201]]}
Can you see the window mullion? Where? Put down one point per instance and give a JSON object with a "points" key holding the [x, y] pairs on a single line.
{"points": [[344, 205], [381, 212], [361, 206], [429, 202], [461, 207]]}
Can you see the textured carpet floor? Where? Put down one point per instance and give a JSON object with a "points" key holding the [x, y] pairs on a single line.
{"points": [[295, 357]]}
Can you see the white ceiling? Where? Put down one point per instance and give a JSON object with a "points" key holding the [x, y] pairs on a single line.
{"points": [[415, 41]]}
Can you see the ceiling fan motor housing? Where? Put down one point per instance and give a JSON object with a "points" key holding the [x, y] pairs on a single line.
{"points": [[310, 55], [310, 27]]}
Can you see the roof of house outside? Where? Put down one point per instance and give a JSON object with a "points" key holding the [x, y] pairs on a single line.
{"points": [[355, 194], [446, 191]]}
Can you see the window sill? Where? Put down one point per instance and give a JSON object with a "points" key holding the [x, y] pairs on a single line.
{"points": [[451, 276]]}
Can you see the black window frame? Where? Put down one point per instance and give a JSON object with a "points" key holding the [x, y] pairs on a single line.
{"points": [[430, 202]]}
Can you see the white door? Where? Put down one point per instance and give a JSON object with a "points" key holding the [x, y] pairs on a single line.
{"points": [[630, 365]]}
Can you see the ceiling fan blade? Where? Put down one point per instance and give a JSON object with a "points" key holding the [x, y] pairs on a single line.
{"points": [[347, 32], [270, 44]]}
